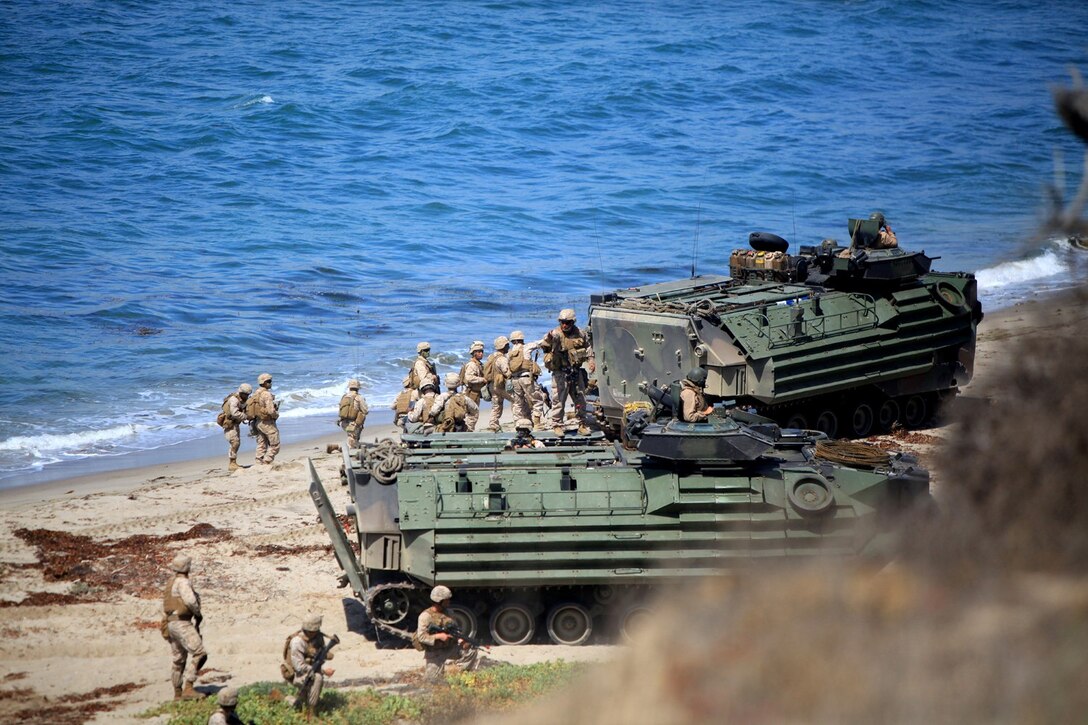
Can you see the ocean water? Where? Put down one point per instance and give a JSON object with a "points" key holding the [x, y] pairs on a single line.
{"points": [[194, 193]]}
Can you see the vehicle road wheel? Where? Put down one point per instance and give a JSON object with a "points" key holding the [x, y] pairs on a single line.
{"points": [[605, 595], [512, 624], [828, 423], [391, 606], [861, 420], [797, 420], [915, 411], [569, 624], [887, 414], [633, 622], [466, 619]]}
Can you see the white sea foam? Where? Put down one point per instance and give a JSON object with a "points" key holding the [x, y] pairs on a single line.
{"points": [[76, 443], [1052, 261]]}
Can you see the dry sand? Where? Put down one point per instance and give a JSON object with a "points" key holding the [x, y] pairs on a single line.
{"points": [[79, 608]]}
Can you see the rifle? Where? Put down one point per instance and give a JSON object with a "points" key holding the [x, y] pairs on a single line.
{"points": [[315, 667], [454, 631]]}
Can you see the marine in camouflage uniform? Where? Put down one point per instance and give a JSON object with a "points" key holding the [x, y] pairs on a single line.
{"points": [[423, 416], [440, 648], [234, 415], [423, 371], [447, 406], [267, 412], [182, 616], [693, 405], [527, 400], [355, 405], [474, 381], [566, 348], [301, 651], [885, 238], [224, 714], [500, 373]]}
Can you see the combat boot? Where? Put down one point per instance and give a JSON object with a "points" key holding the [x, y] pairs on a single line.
{"points": [[190, 694], [583, 430], [233, 466], [538, 422], [558, 430], [177, 693]]}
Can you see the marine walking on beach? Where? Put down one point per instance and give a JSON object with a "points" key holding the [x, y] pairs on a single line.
{"points": [[231, 419], [300, 652], [263, 408], [440, 647], [353, 412], [566, 348], [181, 628]]}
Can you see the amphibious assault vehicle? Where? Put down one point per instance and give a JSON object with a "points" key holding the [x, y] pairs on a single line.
{"points": [[846, 340], [570, 538]]}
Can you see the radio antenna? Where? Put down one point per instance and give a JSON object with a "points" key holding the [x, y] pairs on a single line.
{"points": [[698, 222], [597, 241]]}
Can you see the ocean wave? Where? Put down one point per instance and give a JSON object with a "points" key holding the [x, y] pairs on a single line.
{"points": [[78, 443], [1051, 262]]}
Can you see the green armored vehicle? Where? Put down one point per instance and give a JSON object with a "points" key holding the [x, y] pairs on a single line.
{"points": [[846, 340], [569, 538]]}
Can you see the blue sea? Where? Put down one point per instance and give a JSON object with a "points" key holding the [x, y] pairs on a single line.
{"points": [[194, 193]]}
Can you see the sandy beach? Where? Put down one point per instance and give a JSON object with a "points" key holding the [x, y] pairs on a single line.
{"points": [[82, 564]]}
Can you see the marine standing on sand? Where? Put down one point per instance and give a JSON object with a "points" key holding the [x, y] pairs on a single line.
{"points": [[523, 372], [474, 381], [224, 714], [423, 370], [452, 408], [353, 412], [497, 372], [301, 650], [181, 614], [440, 647], [693, 406], [263, 408], [566, 349], [232, 417]]}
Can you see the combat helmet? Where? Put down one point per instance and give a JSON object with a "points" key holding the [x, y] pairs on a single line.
{"points": [[567, 315], [476, 345], [353, 384], [452, 380], [877, 217], [245, 388], [501, 342], [312, 623], [264, 378], [181, 564], [228, 697], [697, 376], [420, 347], [523, 424], [517, 336], [441, 594]]}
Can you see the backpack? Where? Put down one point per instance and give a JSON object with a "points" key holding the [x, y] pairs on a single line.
{"points": [[461, 375], [251, 407], [413, 379], [347, 404], [224, 419], [517, 361], [453, 414], [286, 668]]}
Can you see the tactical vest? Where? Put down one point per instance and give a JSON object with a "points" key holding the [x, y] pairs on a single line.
{"points": [[566, 351], [225, 420], [425, 412], [492, 374], [348, 413], [172, 603], [517, 360], [287, 668], [252, 408]]}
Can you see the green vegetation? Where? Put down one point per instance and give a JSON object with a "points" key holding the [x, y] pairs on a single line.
{"points": [[496, 688]]}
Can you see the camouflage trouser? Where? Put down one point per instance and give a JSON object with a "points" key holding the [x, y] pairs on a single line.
{"points": [[498, 395], [352, 430], [562, 388], [234, 440], [268, 441], [524, 390], [311, 695], [187, 649], [434, 661], [471, 419]]}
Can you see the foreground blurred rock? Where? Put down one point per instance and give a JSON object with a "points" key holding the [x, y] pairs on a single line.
{"points": [[982, 618]]}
